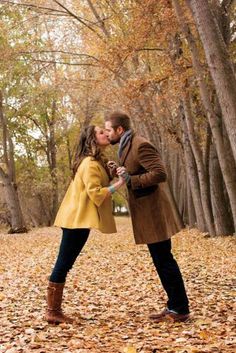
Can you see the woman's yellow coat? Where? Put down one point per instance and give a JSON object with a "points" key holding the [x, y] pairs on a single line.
{"points": [[86, 203]]}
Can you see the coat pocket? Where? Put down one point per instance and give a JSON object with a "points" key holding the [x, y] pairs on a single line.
{"points": [[144, 191]]}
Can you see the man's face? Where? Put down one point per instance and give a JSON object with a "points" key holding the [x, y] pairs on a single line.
{"points": [[113, 135]]}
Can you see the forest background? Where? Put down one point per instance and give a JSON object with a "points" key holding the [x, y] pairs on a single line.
{"points": [[169, 64]]}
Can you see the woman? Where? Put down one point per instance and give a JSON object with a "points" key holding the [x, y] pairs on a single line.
{"points": [[87, 204]]}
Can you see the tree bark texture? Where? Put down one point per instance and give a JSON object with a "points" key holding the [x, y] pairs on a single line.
{"points": [[8, 177], [213, 118], [191, 172], [221, 212], [202, 176], [219, 63]]}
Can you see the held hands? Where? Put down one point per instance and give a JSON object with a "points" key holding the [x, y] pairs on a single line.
{"points": [[119, 172], [122, 172], [115, 186]]}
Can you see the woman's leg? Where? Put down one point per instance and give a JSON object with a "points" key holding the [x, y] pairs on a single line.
{"points": [[73, 241]]}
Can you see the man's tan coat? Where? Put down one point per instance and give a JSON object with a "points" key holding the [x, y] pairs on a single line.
{"points": [[151, 213]]}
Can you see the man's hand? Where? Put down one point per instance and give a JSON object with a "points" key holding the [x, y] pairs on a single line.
{"points": [[122, 172]]}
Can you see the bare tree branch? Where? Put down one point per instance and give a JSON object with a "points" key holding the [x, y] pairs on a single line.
{"points": [[97, 16], [4, 132], [151, 49], [37, 124], [58, 62], [63, 63], [58, 51], [34, 6], [53, 12], [109, 4], [78, 19]]}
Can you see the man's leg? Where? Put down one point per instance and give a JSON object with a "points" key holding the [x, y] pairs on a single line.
{"points": [[170, 276]]}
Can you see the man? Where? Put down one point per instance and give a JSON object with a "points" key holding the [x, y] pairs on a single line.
{"points": [[151, 214]]}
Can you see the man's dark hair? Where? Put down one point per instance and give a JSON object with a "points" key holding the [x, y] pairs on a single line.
{"points": [[119, 119]]}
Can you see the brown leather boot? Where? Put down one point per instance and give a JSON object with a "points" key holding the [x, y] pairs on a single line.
{"points": [[54, 314], [167, 315]]}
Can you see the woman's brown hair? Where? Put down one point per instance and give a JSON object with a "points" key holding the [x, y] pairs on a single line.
{"points": [[87, 146]]}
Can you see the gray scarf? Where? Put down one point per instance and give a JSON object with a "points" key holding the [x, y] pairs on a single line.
{"points": [[125, 138]]}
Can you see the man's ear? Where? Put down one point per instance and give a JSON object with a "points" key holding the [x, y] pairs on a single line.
{"points": [[120, 130]]}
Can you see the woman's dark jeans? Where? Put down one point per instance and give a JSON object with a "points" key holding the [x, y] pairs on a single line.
{"points": [[170, 276], [72, 242]]}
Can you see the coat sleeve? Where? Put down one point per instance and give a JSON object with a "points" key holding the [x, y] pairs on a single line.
{"points": [[91, 178], [154, 171]]}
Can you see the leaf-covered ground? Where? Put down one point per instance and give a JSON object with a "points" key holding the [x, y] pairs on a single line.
{"points": [[110, 292]]}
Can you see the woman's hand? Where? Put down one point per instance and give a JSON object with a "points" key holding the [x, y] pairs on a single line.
{"points": [[112, 166], [121, 180], [115, 186]]}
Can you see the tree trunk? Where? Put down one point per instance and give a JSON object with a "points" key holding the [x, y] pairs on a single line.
{"points": [[223, 218], [69, 152], [45, 214], [175, 172], [223, 19], [191, 172], [182, 202], [100, 22], [214, 121], [13, 203], [51, 152], [191, 209], [219, 63], [206, 204], [8, 178]]}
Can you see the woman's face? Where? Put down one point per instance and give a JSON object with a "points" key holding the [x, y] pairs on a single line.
{"points": [[101, 137]]}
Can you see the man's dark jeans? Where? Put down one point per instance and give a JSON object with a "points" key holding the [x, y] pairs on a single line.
{"points": [[72, 242], [170, 276]]}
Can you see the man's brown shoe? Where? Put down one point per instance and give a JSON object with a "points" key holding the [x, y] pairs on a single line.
{"points": [[167, 315], [158, 316]]}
